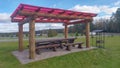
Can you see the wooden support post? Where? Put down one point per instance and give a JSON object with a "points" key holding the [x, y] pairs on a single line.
{"points": [[32, 39], [87, 35], [20, 37], [66, 31]]}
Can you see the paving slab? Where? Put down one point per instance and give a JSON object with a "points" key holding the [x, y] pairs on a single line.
{"points": [[23, 57]]}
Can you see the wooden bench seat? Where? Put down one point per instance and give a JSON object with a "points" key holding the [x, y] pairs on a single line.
{"points": [[54, 46], [68, 45]]}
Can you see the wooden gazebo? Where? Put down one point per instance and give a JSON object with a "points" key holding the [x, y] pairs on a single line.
{"points": [[35, 14]]}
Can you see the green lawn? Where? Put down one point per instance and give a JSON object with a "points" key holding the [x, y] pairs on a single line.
{"points": [[97, 58]]}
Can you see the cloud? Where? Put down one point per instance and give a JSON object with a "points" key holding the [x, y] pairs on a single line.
{"points": [[4, 17], [8, 27], [94, 9], [86, 8], [117, 3], [103, 17], [107, 9], [13, 27]]}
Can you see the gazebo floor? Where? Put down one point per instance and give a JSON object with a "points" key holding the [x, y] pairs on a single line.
{"points": [[23, 57]]}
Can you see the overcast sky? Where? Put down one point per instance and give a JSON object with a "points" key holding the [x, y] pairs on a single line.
{"points": [[104, 9]]}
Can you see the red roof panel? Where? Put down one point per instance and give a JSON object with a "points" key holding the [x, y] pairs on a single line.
{"points": [[51, 14]]}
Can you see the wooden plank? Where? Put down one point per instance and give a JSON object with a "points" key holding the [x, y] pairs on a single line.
{"points": [[20, 37], [47, 46], [70, 44], [32, 39]]}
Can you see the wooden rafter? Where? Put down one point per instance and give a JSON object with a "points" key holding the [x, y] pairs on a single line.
{"points": [[47, 15], [24, 11]]}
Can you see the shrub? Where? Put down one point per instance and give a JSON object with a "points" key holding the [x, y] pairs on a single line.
{"points": [[52, 33]]}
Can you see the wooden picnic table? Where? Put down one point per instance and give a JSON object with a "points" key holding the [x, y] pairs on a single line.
{"points": [[52, 43]]}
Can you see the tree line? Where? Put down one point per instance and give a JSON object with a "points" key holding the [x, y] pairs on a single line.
{"points": [[110, 25]]}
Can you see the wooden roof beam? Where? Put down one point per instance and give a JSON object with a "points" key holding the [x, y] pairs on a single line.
{"points": [[82, 21], [24, 13], [28, 19]]}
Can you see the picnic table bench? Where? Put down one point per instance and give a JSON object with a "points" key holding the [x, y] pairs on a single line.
{"points": [[68, 45], [55, 43], [52, 46]]}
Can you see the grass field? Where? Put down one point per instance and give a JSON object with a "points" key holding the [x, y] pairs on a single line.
{"points": [[97, 58]]}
